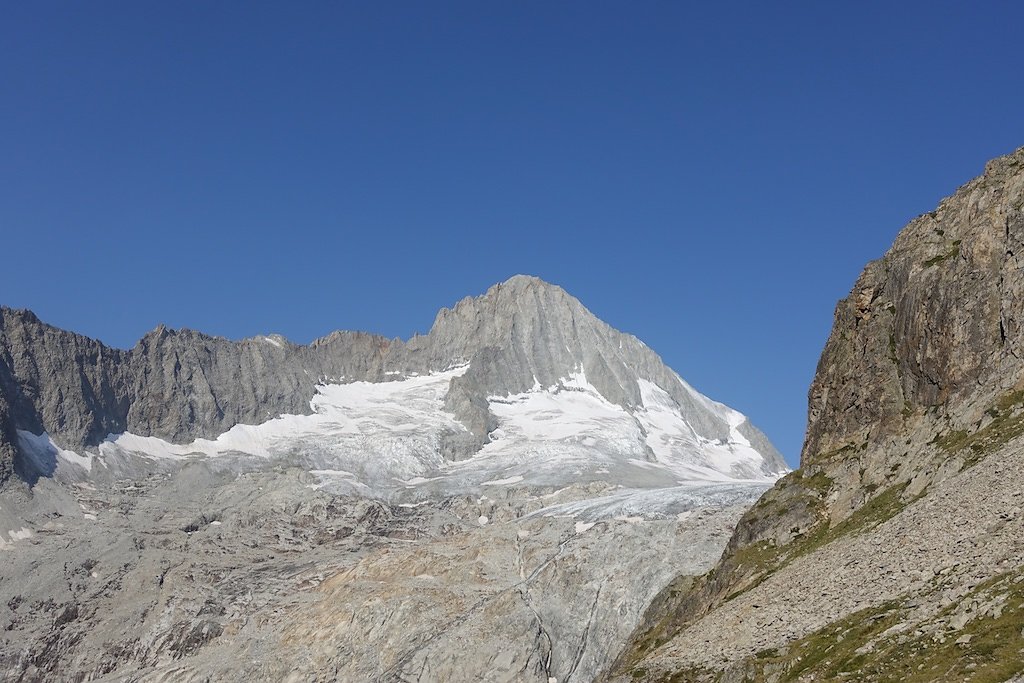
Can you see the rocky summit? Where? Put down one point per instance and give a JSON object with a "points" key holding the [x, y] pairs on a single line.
{"points": [[499, 499], [895, 552]]}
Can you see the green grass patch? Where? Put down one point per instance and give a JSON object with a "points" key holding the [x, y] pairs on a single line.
{"points": [[660, 623], [840, 453]]}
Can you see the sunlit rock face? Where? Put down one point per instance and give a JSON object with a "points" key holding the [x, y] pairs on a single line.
{"points": [[907, 502]]}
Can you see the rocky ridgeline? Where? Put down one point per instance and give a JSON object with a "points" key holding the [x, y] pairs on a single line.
{"points": [[918, 400], [180, 385]]}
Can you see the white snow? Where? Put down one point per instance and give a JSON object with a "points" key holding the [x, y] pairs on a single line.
{"points": [[380, 438], [44, 452], [482, 520], [332, 473], [572, 412], [635, 505], [674, 441], [273, 340], [416, 481], [361, 430], [584, 526]]}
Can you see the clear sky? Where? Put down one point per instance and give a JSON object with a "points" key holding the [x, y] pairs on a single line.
{"points": [[710, 176]]}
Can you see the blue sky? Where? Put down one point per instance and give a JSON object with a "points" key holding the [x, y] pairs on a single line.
{"points": [[711, 177]]}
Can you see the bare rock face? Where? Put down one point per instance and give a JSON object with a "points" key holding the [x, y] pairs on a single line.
{"points": [[7, 441], [927, 345], [187, 385], [208, 574], [935, 324], [55, 380], [537, 331], [916, 401], [176, 385]]}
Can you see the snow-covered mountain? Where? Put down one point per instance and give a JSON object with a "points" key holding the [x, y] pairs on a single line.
{"points": [[496, 500], [522, 384]]}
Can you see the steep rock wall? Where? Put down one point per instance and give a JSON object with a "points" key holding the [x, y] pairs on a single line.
{"points": [[921, 377]]}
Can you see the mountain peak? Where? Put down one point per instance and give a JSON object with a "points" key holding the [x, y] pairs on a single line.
{"points": [[524, 280], [523, 283], [526, 333]]}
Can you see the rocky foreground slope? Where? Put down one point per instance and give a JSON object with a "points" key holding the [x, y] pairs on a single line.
{"points": [[896, 551], [497, 500]]}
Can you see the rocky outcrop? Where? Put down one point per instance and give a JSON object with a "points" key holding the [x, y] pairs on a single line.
{"points": [[7, 441], [919, 381], [57, 381], [537, 334], [934, 325], [926, 592], [180, 385]]}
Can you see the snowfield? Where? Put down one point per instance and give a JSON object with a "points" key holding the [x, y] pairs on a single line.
{"points": [[383, 440]]}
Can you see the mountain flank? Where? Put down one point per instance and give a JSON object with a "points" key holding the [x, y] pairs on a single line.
{"points": [[894, 552]]}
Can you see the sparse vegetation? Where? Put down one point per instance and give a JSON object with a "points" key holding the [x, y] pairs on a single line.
{"points": [[871, 645], [766, 558], [751, 564], [935, 260], [1007, 423], [838, 453]]}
